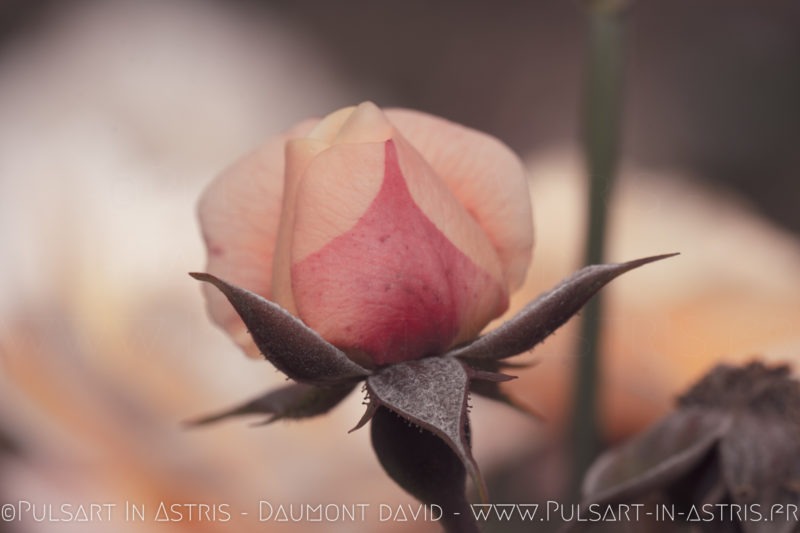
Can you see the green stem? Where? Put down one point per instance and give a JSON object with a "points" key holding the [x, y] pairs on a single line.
{"points": [[601, 127]]}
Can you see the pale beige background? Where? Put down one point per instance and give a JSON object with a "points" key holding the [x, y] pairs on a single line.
{"points": [[116, 114]]}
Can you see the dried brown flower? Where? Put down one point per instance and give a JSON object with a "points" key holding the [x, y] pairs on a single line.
{"points": [[727, 459]]}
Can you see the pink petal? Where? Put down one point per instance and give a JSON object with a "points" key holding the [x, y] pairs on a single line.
{"points": [[485, 175], [378, 274], [239, 214]]}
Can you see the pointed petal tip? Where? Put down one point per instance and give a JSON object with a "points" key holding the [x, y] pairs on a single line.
{"points": [[485, 375], [480, 483], [209, 278], [368, 414], [213, 418], [265, 422], [195, 423], [483, 492], [533, 363], [651, 259], [294, 402]]}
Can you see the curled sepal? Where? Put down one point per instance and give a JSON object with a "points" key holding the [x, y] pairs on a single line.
{"points": [[432, 394], [295, 401], [547, 313], [294, 348], [657, 458], [425, 466]]}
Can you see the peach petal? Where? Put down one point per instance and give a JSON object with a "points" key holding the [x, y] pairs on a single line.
{"points": [[238, 215], [336, 190], [485, 175], [437, 202], [366, 124], [298, 155], [392, 286], [444, 209], [327, 128]]}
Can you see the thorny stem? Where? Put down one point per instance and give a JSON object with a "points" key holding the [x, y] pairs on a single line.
{"points": [[602, 107]]}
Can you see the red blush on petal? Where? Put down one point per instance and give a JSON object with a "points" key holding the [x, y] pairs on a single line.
{"points": [[393, 287]]}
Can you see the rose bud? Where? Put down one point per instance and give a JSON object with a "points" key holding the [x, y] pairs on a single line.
{"points": [[393, 235], [376, 246], [727, 459]]}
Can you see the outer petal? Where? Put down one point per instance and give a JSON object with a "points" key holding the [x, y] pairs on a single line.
{"points": [[239, 214], [298, 155], [386, 262], [486, 177]]}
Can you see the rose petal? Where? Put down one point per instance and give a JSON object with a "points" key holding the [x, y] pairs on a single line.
{"points": [[328, 128], [362, 124], [365, 124], [299, 153], [487, 178], [238, 215], [375, 273]]}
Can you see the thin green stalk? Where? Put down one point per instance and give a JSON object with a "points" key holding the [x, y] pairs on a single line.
{"points": [[602, 110]]}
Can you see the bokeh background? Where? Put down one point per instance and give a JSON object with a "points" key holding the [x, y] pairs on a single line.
{"points": [[115, 114]]}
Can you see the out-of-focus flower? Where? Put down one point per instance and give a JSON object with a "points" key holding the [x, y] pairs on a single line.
{"points": [[386, 261], [662, 329], [393, 235], [727, 459]]}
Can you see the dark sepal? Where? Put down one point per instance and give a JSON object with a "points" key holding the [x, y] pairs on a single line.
{"points": [[547, 313], [422, 464], [294, 348], [485, 380], [295, 401], [760, 464], [492, 390], [432, 394], [656, 458]]}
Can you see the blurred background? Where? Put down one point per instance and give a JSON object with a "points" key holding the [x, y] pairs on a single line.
{"points": [[115, 114]]}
